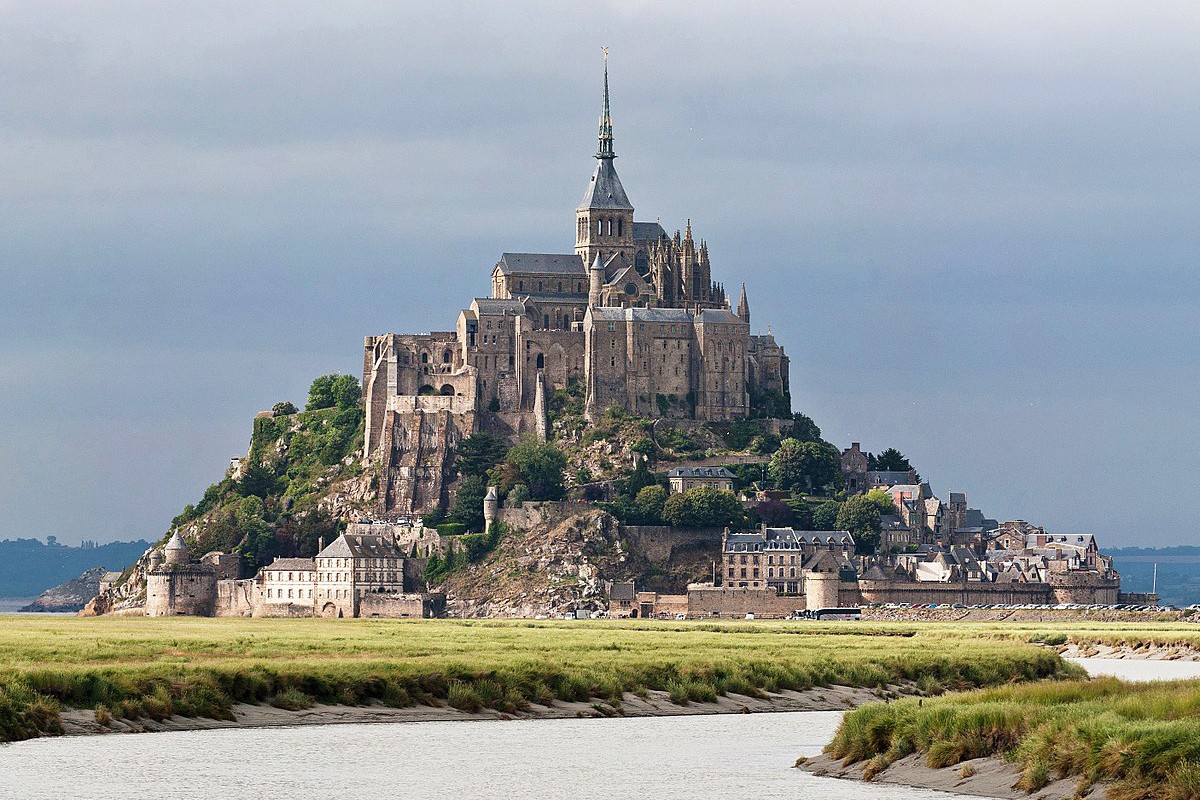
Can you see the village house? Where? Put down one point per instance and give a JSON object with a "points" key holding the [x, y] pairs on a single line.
{"points": [[683, 478]]}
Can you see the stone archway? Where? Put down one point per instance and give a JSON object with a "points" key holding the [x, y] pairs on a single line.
{"points": [[330, 611]]}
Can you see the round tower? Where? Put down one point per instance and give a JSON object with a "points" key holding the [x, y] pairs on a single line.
{"points": [[821, 590], [596, 282], [176, 551], [491, 502]]}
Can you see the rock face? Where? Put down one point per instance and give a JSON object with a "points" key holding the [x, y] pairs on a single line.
{"points": [[540, 571], [558, 558], [72, 595]]}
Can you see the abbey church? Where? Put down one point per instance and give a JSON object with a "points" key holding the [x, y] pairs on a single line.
{"points": [[632, 317]]}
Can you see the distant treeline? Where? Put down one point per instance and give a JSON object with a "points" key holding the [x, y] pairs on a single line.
{"points": [[1178, 571], [29, 566]]}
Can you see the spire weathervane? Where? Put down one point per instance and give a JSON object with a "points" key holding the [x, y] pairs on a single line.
{"points": [[606, 127]]}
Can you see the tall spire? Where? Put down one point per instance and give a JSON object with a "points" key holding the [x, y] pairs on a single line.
{"points": [[606, 127], [743, 310]]}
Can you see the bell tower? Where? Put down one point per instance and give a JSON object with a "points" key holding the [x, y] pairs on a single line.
{"points": [[604, 219]]}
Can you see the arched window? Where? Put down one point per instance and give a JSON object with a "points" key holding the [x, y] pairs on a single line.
{"points": [[599, 227], [446, 357], [620, 226], [424, 358], [541, 360]]}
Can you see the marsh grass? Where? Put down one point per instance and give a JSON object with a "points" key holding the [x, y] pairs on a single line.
{"points": [[1144, 739], [155, 668]]}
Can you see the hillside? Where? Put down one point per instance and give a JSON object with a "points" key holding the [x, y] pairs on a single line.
{"points": [[560, 559], [301, 479], [69, 595], [29, 566]]}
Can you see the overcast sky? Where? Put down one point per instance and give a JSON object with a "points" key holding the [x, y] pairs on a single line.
{"points": [[972, 226]]}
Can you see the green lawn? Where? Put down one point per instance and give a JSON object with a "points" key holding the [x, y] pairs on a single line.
{"points": [[133, 667]]}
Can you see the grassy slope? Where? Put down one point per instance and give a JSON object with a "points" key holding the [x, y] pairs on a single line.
{"points": [[1143, 738], [131, 667]]}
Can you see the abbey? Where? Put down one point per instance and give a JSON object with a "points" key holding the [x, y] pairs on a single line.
{"points": [[632, 317]]}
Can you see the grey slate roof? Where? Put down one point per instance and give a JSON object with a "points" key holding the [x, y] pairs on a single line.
{"points": [[554, 263], [700, 472], [648, 231], [786, 539], [350, 545], [604, 190], [300, 564], [176, 542], [723, 316], [489, 305], [622, 590]]}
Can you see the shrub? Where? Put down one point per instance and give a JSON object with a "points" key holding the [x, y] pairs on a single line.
{"points": [[283, 409], [451, 528], [292, 700], [328, 391]]}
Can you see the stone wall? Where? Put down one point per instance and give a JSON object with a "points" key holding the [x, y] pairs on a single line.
{"points": [[967, 593], [402, 605], [546, 513], [659, 543], [181, 590], [236, 598], [708, 601]]}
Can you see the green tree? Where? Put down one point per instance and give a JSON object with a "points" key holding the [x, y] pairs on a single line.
{"points": [[882, 499], [478, 453], [639, 479], [805, 465], [258, 536], [704, 507], [824, 516], [804, 429], [257, 481], [468, 502], [649, 503], [891, 460], [860, 516], [327, 391], [283, 409], [538, 465]]}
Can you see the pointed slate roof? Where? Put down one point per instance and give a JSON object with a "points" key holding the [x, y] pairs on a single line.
{"points": [[605, 191]]}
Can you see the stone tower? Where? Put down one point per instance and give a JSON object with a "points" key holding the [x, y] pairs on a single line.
{"points": [[491, 503], [604, 219], [176, 550]]}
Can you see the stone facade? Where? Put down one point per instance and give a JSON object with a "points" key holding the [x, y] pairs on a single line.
{"points": [[683, 478], [358, 574], [632, 316]]}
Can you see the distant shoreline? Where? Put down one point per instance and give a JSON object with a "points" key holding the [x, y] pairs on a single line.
{"points": [[82, 722]]}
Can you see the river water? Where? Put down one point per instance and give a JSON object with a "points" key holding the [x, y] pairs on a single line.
{"points": [[647, 758]]}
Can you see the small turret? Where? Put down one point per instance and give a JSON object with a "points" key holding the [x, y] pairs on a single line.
{"points": [[596, 282], [491, 502], [176, 551]]}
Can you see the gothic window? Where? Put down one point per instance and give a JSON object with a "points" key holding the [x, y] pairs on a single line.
{"points": [[630, 289], [446, 357], [620, 226], [599, 227], [541, 360], [424, 358]]}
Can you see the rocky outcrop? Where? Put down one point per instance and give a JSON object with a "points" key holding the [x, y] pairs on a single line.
{"points": [[541, 571], [558, 558], [70, 595]]}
